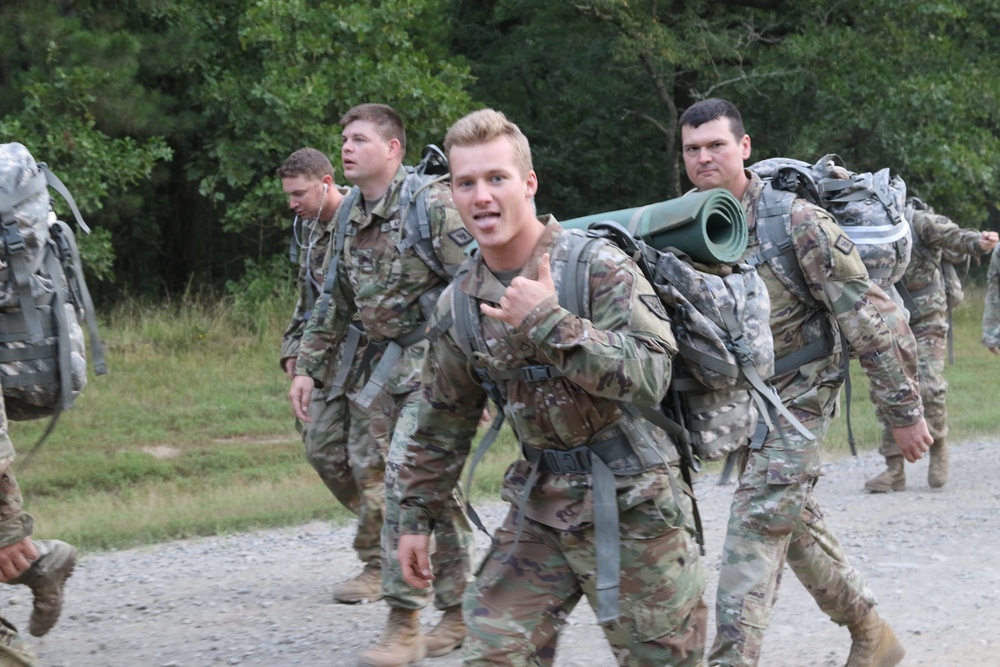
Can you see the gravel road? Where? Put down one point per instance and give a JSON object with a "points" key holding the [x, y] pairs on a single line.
{"points": [[264, 598]]}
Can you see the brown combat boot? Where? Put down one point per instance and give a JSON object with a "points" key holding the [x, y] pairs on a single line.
{"points": [[873, 643], [447, 635], [937, 472], [401, 643], [893, 479], [46, 578], [366, 587]]}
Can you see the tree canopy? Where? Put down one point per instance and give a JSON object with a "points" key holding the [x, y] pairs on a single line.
{"points": [[168, 118]]}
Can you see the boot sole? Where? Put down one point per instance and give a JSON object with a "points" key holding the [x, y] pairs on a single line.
{"points": [[894, 487], [356, 600], [444, 650]]}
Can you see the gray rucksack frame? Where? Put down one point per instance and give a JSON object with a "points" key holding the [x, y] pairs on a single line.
{"points": [[38, 326]]}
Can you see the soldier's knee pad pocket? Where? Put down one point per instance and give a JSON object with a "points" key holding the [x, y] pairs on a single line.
{"points": [[662, 612]]}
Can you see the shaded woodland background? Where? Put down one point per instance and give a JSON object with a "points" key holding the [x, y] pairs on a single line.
{"points": [[167, 118]]}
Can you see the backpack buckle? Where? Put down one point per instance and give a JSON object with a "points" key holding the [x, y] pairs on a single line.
{"points": [[538, 373]]}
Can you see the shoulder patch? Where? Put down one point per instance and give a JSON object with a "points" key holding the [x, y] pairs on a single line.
{"points": [[654, 304], [844, 244], [461, 237]]}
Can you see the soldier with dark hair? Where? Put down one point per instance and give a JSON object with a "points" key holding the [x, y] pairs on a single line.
{"points": [[936, 239], [596, 510], [991, 313], [379, 282], [775, 517], [338, 438]]}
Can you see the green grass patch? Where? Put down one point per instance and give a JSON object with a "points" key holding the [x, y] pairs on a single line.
{"points": [[190, 433]]}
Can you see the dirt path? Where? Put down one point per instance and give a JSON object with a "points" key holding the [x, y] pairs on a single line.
{"points": [[264, 598]]}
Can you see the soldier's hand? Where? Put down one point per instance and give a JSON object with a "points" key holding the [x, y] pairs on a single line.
{"points": [[299, 395], [988, 241], [16, 558], [913, 440], [290, 368], [523, 296], [994, 350], [415, 561]]}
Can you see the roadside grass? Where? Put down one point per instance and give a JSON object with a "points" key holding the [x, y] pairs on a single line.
{"points": [[190, 433]]}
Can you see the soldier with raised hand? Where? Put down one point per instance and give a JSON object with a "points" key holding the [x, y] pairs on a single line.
{"points": [[594, 488], [385, 285], [774, 516], [991, 312], [338, 441], [935, 238]]}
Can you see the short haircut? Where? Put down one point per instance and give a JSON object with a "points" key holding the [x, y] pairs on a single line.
{"points": [[384, 117], [708, 110], [307, 162], [485, 125]]}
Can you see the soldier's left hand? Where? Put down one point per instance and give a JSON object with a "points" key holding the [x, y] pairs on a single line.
{"points": [[415, 560], [914, 440], [523, 296], [988, 241]]}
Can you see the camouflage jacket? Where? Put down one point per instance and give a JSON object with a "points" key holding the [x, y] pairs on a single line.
{"points": [[838, 281], [991, 314], [935, 237], [389, 291], [623, 354]]}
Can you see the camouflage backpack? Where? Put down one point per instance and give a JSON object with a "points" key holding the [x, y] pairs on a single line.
{"points": [[43, 298], [953, 289], [869, 207]]}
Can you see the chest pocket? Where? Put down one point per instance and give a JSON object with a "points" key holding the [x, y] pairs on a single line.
{"points": [[375, 262]]}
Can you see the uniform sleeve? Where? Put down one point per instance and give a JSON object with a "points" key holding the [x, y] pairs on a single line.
{"points": [[956, 243], [991, 313], [15, 523], [321, 337], [624, 352], [449, 414], [873, 325]]}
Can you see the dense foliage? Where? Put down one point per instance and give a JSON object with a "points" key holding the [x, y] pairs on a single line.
{"points": [[168, 117]]}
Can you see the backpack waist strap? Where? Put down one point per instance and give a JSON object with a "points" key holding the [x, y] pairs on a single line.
{"points": [[393, 351], [610, 448]]}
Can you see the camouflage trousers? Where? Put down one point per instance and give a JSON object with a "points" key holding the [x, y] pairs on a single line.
{"points": [[932, 350], [451, 560], [14, 651], [774, 519], [525, 591], [341, 445]]}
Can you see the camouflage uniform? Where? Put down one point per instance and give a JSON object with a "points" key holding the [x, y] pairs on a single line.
{"points": [[15, 525], [991, 314], [339, 443], [935, 238], [544, 559], [774, 516], [388, 291]]}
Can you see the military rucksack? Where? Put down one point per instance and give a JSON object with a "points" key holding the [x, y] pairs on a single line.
{"points": [[44, 298], [947, 263], [868, 207]]}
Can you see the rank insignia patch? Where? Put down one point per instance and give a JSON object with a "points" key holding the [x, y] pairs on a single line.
{"points": [[844, 244], [461, 237], [653, 302]]}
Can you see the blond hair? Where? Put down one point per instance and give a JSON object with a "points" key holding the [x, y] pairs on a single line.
{"points": [[485, 125]]}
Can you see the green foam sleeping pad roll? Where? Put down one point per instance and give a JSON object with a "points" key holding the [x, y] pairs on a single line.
{"points": [[709, 226]]}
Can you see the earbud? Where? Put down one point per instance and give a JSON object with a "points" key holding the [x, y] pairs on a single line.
{"points": [[326, 186]]}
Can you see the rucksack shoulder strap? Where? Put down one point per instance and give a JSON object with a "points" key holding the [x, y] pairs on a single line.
{"points": [[416, 234], [336, 250]]}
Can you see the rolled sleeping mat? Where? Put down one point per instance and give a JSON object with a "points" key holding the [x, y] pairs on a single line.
{"points": [[709, 226]]}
